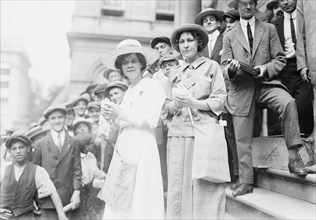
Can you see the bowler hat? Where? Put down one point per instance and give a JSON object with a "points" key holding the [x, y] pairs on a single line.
{"points": [[33, 132], [208, 11], [128, 46], [52, 108], [157, 40], [18, 137], [189, 27], [116, 84], [234, 14], [233, 3], [168, 57], [271, 4]]}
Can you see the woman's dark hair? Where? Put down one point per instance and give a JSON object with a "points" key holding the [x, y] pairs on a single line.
{"points": [[141, 58], [195, 35]]}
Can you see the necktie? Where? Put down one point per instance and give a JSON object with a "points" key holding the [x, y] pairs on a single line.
{"points": [[250, 38], [293, 32], [59, 143]]}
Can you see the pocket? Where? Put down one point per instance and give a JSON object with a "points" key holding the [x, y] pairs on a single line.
{"points": [[203, 88]]}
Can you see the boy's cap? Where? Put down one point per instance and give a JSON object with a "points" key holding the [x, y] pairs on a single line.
{"points": [[168, 57], [52, 108]]}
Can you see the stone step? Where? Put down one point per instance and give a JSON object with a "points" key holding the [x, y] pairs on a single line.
{"points": [[271, 152], [265, 204], [285, 183]]}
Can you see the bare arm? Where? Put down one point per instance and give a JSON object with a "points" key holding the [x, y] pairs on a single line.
{"points": [[58, 205]]}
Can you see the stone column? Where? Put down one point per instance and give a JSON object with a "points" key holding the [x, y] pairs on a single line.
{"points": [[186, 11]]}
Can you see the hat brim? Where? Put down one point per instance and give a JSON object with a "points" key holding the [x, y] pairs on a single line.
{"points": [[232, 4], [217, 13], [108, 71], [271, 4], [124, 88], [31, 137], [109, 58], [46, 115], [25, 140], [189, 27]]}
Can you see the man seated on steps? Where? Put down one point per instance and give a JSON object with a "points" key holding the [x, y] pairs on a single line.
{"points": [[257, 44]]}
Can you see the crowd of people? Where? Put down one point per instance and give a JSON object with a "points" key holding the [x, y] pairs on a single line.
{"points": [[126, 148]]}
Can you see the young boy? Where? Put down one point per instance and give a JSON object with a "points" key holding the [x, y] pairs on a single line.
{"points": [[56, 153], [22, 181]]}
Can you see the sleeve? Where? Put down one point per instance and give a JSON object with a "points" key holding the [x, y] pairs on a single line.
{"points": [[300, 45], [227, 54], [37, 157], [218, 91], [45, 187], [77, 173], [278, 60], [153, 106]]}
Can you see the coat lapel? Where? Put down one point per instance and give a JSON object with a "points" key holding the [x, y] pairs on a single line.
{"points": [[65, 148], [218, 45], [52, 148], [257, 37], [279, 24], [241, 37]]}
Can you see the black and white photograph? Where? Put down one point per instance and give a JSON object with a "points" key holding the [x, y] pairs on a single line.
{"points": [[158, 109]]}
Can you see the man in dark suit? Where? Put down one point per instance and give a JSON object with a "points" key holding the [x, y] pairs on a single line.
{"points": [[256, 44], [56, 153], [211, 20], [301, 90]]}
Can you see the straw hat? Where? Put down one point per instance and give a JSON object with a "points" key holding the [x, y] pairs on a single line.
{"points": [[189, 27], [108, 71], [208, 11], [33, 132], [126, 47]]}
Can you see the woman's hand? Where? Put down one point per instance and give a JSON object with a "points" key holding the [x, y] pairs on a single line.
{"points": [[185, 100], [110, 110]]}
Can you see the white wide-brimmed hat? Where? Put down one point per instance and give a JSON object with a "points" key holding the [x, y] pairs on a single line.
{"points": [[126, 47]]}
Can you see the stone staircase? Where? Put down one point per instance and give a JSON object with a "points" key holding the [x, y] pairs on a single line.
{"points": [[277, 193]]}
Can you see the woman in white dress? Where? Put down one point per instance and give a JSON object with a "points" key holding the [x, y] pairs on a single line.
{"points": [[136, 144]]}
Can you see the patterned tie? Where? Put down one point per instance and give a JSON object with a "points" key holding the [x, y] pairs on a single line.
{"points": [[293, 32], [250, 38], [59, 143]]}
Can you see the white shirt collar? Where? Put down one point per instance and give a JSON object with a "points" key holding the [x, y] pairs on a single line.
{"points": [[213, 35], [55, 135], [288, 15], [244, 22]]}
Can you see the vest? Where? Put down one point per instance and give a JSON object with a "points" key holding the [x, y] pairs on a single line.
{"points": [[18, 196]]}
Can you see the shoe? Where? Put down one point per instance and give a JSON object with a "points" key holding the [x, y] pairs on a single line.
{"points": [[296, 168], [311, 169], [235, 185], [243, 189]]}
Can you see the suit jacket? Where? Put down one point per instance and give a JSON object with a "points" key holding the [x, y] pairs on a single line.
{"points": [[217, 50], [279, 24], [267, 50], [306, 35], [64, 168]]}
